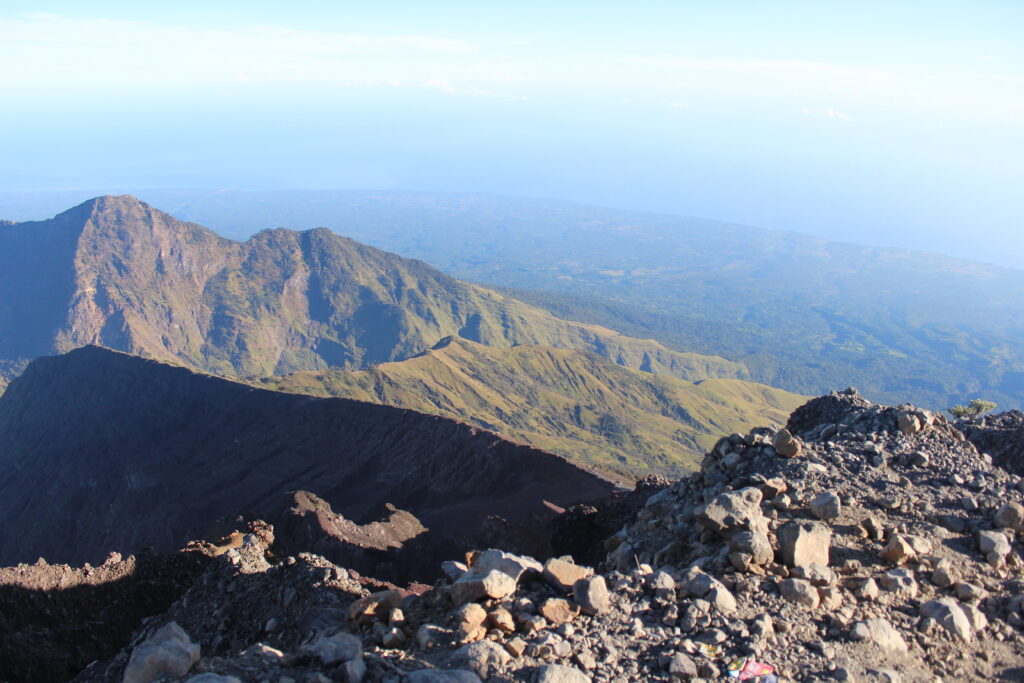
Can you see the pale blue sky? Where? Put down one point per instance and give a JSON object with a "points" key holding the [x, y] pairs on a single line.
{"points": [[897, 123]]}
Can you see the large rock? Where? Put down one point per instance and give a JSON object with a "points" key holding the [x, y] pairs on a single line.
{"points": [[493, 584], [560, 673], [591, 594], [168, 653], [952, 616], [734, 511], [513, 565], [753, 544], [441, 676], [787, 445], [563, 575], [826, 506], [483, 658], [337, 648], [375, 605], [882, 633], [802, 543], [994, 545]]}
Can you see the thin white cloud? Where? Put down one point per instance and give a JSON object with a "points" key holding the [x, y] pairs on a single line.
{"points": [[828, 113], [446, 87], [43, 49]]}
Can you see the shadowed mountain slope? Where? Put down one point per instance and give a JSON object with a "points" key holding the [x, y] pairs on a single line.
{"points": [[101, 451], [118, 273], [573, 403]]}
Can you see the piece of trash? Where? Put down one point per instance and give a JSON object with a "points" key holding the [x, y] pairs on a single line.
{"points": [[748, 669], [710, 651]]}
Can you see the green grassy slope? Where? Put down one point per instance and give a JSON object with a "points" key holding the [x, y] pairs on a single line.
{"points": [[573, 403]]}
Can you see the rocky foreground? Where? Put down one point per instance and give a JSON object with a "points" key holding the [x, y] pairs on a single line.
{"points": [[861, 543]]}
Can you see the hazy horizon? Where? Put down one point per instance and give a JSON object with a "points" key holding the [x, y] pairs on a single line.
{"points": [[883, 125]]}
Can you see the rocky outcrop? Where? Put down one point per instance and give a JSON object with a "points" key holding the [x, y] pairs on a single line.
{"points": [[101, 451], [913, 577], [1001, 436]]}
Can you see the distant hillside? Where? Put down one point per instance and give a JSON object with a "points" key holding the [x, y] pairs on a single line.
{"points": [[101, 451], [116, 272], [573, 403], [803, 313]]}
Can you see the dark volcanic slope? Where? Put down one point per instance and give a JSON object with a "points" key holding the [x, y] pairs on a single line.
{"points": [[101, 451], [121, 274]]}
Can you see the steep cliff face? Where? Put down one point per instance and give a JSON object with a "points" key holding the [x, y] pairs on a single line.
{"points": [[119, 273], [101, 451]]}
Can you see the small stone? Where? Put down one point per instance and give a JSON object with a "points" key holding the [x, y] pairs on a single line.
{"points": [[454, 570], [682, 667], [816, 573], [335, 649], [901, 582], [908, 423], [899, 550], [393, 638], [558, 611], [1010, 516], [560, 673], [482, 658], [993, 542], [734, 511], [826, 506], [722, 599], [944, 575], [516, 646], [867, 590], [438, 676], [920, 459], [755, 544], [591, 594], [469, 620], [375, 606], [800, 591], [771, 488], [786, 445], [429, 636], [502, 620], [493, 584], [967, 592], [831, 597]]}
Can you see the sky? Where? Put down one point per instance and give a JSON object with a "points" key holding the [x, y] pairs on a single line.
{"points": [[891, 123]]}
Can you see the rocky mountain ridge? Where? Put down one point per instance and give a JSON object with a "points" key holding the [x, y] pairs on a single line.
{"points": [[119, 273], [101, 451], [860, 543]]}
